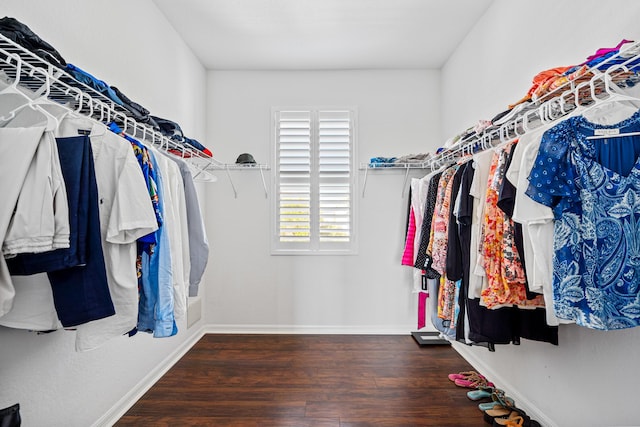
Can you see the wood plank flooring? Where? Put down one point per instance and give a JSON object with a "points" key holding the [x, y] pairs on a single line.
{"points": [[309, 381]]}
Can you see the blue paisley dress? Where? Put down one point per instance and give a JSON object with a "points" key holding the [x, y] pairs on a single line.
{"points": [[593, 186]]}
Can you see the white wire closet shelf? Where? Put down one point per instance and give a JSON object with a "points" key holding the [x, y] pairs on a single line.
{"points": [[599, 83], [406, 166], [38, 79]]}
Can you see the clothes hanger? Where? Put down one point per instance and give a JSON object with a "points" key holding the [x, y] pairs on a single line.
{"points": [[615, 94], [566, 107], [13, 87], [52, 122]]}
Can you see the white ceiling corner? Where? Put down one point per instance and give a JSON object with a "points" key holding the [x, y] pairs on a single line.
{"points": [[322, 34]]}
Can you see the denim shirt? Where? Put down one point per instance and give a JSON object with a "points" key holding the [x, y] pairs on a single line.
{"points": [[156, 293]]}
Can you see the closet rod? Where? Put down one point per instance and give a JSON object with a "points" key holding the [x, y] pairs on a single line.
{"points": [[580, 93], [39, 77]]}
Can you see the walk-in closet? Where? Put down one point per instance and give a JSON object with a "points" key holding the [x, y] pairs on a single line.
{"points": [[319, 213]]}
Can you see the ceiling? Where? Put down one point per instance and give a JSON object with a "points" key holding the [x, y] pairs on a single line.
{"points": [[322, 34]]}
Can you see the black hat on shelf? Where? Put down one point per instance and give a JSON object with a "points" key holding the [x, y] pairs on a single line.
{"points": [[245, 159]]}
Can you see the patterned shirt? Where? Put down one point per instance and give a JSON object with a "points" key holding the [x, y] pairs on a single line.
{"points": [[594, 190], [440, 222], [501, 259], [423, 260]]}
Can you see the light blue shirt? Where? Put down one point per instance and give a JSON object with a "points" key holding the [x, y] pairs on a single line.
{"points": [[156, 297]]}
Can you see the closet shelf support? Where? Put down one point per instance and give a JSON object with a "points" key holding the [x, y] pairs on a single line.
{"points": [[404, 184], [233, 187], [264, 184], [364, 184]]}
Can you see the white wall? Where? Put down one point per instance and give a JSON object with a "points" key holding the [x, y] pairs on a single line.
{"points": [[251, 290], [132, 46], [572, 384]]}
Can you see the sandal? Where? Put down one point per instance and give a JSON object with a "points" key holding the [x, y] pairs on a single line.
{"points": [[463, 375], [497, 398], [512, 421], [502, 408], [481, 393], [516, 419], [497, 411], [491, 405], [474, 381], [504, 413]]}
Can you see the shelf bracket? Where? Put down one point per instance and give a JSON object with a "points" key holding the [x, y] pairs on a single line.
{"points": [[364, 184], [235, 192], [404, 184], [264, 183]]}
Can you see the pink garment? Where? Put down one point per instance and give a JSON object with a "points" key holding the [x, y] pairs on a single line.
{"points": [[605, 50], [422, 309], [407, 256]]}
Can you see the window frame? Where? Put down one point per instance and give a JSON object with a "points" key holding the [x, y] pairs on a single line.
{"points": [[314, 246]]}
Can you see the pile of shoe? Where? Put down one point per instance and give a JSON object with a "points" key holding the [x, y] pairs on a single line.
{"points": [[500, 410]]}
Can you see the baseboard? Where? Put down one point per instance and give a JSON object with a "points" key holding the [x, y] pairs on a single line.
{"points": [[522, 401], [129, 399], [308, 329]]}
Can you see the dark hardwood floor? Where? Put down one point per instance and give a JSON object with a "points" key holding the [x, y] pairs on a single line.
{"points": [[309, 381]]}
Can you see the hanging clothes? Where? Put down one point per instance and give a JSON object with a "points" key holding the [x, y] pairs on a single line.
{"points": [[155, 312], [15, 167], [448, 286], [423, 260], [126, 213], [501, 262], [477, 277], [407, 254], [436, 248], [592, 187], [77, 274], [198, 241]]}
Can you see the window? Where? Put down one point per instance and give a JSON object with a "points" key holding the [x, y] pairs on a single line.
{"points": [[313, 202]]}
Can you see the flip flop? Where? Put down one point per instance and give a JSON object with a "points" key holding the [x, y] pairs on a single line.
{"points": [[462, 375], [480, 393], [490, 405]]}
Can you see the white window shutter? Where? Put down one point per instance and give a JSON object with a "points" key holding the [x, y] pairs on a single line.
{"points": [[294, 176], [334, 176], [314, 157]]}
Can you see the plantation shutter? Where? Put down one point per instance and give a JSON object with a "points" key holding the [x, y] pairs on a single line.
{"points": [[294, 176], [334, 167], [313, 206]]}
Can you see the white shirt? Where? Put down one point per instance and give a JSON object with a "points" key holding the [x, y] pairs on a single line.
{"points": [[478, 189], [126, 214], [175, 222]]}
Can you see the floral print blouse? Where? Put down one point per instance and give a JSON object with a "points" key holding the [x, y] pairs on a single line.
{"points": [[501, 260]]}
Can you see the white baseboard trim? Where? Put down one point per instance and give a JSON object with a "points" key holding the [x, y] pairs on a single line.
{"points": [[308, 329], [129, 399], [521, 401]]}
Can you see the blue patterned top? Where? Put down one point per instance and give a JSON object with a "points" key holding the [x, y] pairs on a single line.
{"points": [[593, 187]]}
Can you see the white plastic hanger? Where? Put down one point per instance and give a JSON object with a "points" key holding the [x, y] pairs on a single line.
{"points": [[51, 121], [614, 94]]}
